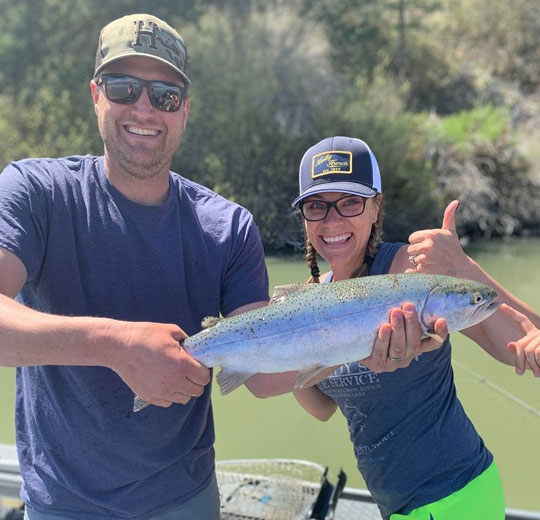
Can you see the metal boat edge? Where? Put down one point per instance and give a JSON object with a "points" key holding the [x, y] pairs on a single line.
{"points": [[352, 500]]}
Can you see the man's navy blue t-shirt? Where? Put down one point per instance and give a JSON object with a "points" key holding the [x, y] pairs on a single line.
{"points": [[89, 251]]}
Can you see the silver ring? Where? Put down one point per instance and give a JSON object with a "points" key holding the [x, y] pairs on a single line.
{"points": [[395, 359], [412, 260]]}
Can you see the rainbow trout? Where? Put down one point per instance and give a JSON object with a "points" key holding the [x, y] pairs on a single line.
{"points": [[309, 327]]}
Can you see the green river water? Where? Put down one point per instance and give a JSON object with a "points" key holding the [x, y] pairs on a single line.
{"points": [[505, 408]]}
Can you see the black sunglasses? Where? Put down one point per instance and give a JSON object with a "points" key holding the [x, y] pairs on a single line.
{"points": [[126, 90]]}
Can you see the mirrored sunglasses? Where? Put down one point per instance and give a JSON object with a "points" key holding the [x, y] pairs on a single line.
{"points": [[126, 90]]}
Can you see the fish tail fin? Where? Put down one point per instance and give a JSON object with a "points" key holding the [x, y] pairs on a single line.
{"points": [[229, 381]]}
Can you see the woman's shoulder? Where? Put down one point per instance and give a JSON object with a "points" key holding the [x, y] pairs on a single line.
{"points": [[400, 262]]}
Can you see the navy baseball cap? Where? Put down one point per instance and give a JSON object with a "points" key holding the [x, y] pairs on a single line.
{"points": [[339, 164]]}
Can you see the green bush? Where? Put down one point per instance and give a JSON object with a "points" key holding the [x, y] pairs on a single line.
{"points": [[476, 160]]}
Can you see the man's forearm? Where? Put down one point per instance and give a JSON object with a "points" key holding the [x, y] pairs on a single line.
{"points": [[29, 337]]}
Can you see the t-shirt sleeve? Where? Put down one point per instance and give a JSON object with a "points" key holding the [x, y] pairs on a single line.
{"points": [[246, 278], [23, 217]]}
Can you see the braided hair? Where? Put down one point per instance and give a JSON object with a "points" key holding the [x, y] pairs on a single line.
{"points": [[311, 258], [375, 239]]}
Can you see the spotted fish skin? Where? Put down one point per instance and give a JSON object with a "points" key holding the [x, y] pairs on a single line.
{"points": [[311, 327]]}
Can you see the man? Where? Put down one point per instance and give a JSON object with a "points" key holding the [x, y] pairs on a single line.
{"points": [[114, 260]]}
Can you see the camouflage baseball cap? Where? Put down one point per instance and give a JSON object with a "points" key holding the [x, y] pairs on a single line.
{"points": [[142, 35]]}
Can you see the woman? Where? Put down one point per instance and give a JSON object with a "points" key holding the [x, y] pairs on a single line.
{"points": [[416, 449]]}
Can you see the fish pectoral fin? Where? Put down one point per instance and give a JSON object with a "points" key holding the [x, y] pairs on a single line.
{"points": [[430, 332], [435, 336], [305, 376], [284, 292], [229, 380]]}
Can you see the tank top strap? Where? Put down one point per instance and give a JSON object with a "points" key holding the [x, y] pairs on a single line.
{"points": [[382, 261]]}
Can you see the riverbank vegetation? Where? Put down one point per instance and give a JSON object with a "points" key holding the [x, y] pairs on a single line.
{"points": [[447, 94]]}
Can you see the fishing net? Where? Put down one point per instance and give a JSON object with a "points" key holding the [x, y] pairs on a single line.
{"points": [[269, 489]]}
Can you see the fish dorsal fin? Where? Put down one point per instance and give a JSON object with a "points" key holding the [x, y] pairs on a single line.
{"points": [[284, 292], [209, 321]]}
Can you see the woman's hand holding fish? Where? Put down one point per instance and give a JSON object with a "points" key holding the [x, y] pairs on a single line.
{"points": [[150, 360], [527, 349], [399, 341], [439, 251]]}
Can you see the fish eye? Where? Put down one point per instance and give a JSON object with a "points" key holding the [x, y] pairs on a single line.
{"points": [[476, 298]]}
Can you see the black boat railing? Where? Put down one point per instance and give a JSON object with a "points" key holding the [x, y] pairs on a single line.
{"points": [[328, 501]]}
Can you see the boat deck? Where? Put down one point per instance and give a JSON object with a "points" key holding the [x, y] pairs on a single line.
{"points": [[249, 496]]}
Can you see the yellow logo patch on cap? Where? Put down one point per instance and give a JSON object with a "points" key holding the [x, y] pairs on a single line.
{"points": [[328, 163]]}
